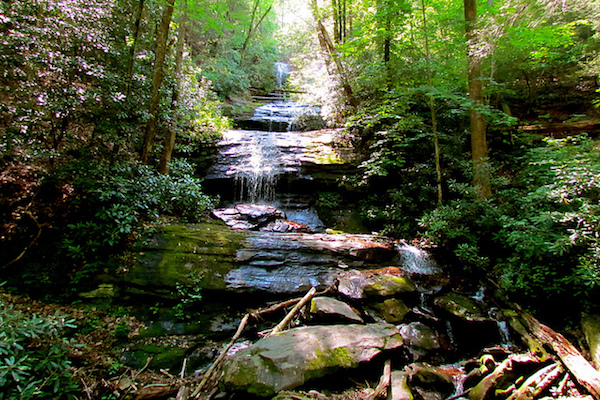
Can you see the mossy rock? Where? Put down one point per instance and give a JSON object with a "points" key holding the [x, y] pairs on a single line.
{"points": [[289, 359], [177, 253], [463, 307]]}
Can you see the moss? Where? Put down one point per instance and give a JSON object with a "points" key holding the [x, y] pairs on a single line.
{"points": [[325, 361], [207, 250], [389, 285]]}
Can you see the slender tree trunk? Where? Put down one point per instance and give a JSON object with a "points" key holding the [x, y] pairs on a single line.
{"points": [[132, 50], [331, 53], [479, 151], [434, 121], [254, 27], [165, 158], [157, 78]]}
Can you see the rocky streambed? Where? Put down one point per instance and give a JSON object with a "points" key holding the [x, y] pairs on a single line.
{"points": [[374, 310]]}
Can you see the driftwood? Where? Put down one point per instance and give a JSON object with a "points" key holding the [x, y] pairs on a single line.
{"points": [[256, 314], [483, 389], [287, 319], [580, 368], [384, 381]]}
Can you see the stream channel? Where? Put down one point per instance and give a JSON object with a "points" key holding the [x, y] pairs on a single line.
{"points": [[268, 242]]}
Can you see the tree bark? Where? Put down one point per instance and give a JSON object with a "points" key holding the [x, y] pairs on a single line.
{"points": [[169, 145], [157, 78], [434, 121], [479, 150]]}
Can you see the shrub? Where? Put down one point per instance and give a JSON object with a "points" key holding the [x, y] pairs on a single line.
{"points": [[34, 360], [540, 237], [113, 202]]}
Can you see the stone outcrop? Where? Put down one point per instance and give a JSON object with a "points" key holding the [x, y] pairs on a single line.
{"points": [[289, 359]]}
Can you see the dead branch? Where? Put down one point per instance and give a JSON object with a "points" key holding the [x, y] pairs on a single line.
{"points": [[37, 236], [284, 304], [286, 320], [538, 382], [217, 362], [578, 366], [483, 388]]}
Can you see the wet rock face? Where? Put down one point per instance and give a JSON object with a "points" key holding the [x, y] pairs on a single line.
{"points": [[221, 258], [419, 338], [289, 359]]}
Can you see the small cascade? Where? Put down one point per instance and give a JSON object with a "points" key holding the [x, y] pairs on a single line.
{"points": [[257, 176], [282, 73], [417, 261]]}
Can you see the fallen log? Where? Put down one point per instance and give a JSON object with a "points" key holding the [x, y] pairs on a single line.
{"points": [[563, 129], [580, 368], [490, 382]]}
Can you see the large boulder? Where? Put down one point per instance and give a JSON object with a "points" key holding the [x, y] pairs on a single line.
{"points": [[289, 359], [419, 338]]}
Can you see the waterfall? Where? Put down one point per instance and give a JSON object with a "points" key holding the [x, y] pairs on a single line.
{"points": [[282, 72], [257, 175]]}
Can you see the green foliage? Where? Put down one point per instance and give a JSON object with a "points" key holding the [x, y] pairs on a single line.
{"points": [[34, 360], [540, 236], [190, 294], [113, 203]]}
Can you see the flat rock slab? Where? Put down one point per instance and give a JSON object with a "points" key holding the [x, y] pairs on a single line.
{"points": [[330, 308], [213, 256], [289, 359]]}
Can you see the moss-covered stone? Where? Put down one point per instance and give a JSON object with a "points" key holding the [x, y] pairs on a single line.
{"points": [[392, 310], [287, 360], [461, 306], [177, 252]]}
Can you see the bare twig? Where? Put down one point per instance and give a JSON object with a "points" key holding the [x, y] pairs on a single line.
{"points": [[286, 320], [208, 374], [37, 236]]}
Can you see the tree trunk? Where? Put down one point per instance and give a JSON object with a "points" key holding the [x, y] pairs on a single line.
{"points": [[165, 158], [254, 27], [157, 78], [331, 53], [479, 151], [434, 121], [136, 34]]}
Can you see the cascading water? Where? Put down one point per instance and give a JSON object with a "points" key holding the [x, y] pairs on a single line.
{"points": [[282, 72]]}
